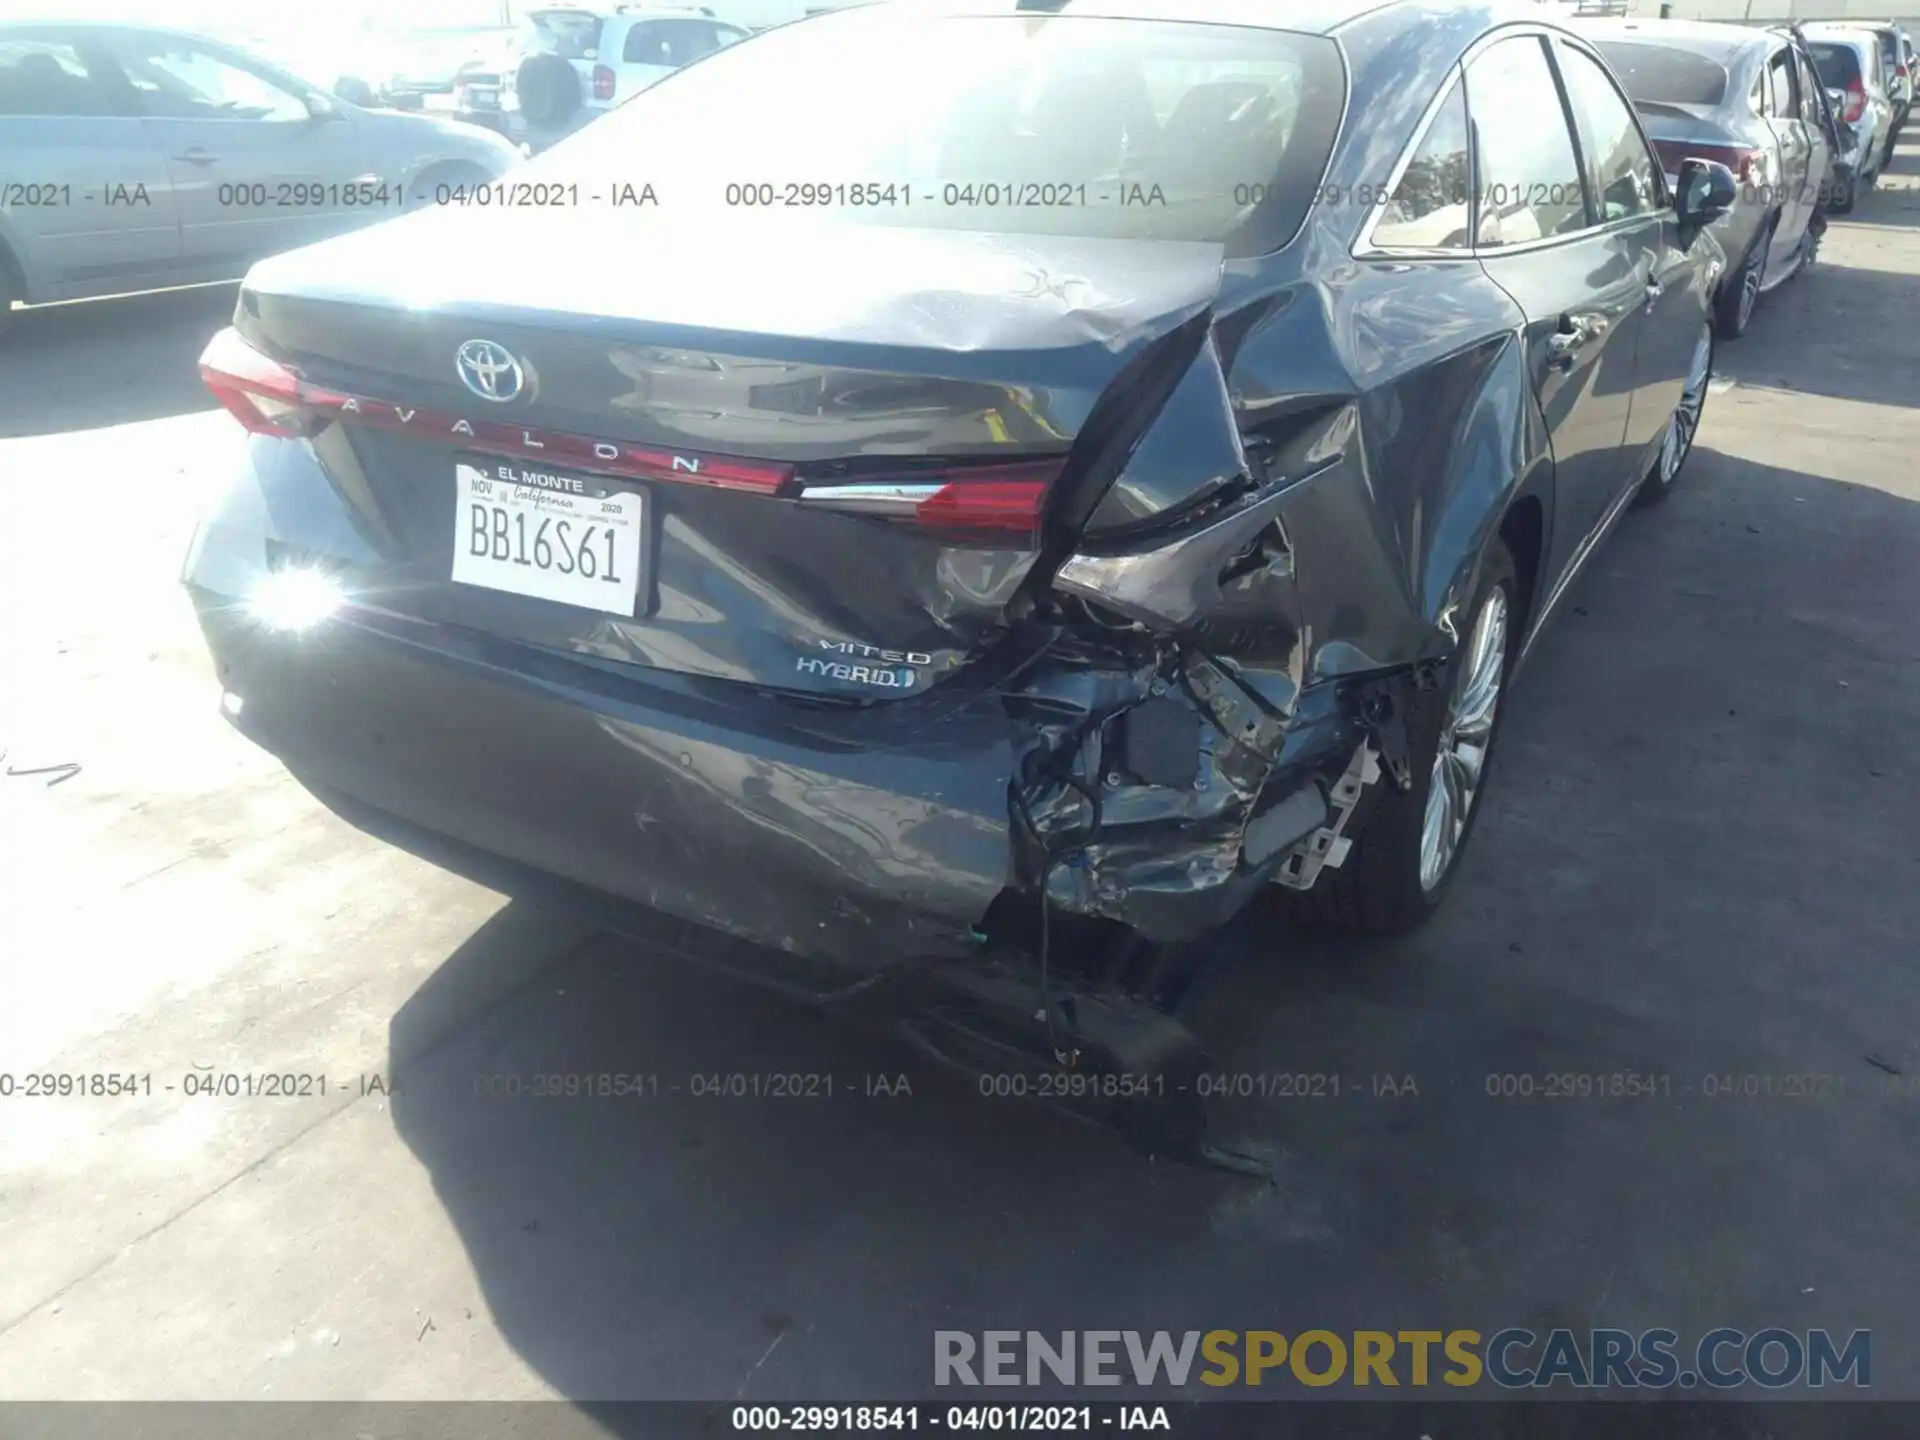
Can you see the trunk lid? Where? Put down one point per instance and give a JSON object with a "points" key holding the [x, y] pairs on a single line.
{"points": [[822, 465]]}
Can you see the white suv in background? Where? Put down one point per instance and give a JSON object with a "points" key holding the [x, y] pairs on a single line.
{"points": [[572, 63]]}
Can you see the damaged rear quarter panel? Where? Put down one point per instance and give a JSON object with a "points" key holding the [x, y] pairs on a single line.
{"points": [[1440, 436], [1384, 422]]}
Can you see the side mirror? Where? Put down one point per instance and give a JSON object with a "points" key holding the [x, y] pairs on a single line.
{"points": [[1838, 100], [1704, 190]]}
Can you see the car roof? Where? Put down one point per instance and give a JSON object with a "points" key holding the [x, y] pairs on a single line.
{"points": [[1311, 17], [1841, 29], [1701, 37]]}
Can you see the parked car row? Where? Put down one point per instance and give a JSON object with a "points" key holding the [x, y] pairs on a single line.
{"points": [[1805, 118], [1048, 483]]}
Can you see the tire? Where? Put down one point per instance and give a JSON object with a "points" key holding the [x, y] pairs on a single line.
{"points": [[1733, 307], [1664, 473], [1381, 889], [1841, 201], [548, 88]]}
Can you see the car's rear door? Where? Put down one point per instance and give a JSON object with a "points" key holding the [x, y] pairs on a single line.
{"points": [[1786, 112], [85, 202], [1821, 155], [1581, 283]]}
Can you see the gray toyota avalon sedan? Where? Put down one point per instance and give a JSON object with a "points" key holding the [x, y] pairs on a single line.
{"points": [[943, 505]]}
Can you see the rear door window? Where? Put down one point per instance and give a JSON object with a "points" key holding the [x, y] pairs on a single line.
{"points": [[673, 43], [1528, 176], [1620, 169], [570, 34]]}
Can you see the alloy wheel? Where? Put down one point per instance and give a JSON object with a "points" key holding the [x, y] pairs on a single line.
{"points": [[1459, 764], [1686, 415]]}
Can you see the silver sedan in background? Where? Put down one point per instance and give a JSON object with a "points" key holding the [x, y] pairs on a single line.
{"points": [[1749, 99], [138, 158]]}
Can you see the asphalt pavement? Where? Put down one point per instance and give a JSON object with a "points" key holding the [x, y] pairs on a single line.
{"points": [[1700, 864]]}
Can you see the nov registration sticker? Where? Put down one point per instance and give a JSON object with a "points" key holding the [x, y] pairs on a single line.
{"points": [[548, 535]]}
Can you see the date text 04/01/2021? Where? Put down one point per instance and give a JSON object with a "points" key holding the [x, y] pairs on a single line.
{"points": [[964, 1419]]}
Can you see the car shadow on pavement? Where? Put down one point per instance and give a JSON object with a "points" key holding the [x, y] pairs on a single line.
{"points": [[108, 362], [1696, 867]]}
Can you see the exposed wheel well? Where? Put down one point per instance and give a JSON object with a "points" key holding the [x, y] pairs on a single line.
{"points": [[1523, 529]]}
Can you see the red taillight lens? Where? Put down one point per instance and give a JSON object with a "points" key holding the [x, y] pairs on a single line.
{"points": [[1001, 502], [602, 83], [1856, 103], [1736, 159], [984, 505], [259, 392]]}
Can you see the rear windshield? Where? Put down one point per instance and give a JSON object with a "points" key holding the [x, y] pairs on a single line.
{"points": [[1054, 124], [570, 34], [1838, 66], [1666, 77]]}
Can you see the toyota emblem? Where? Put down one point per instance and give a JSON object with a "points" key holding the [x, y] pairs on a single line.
{"points": [[490, 371]]}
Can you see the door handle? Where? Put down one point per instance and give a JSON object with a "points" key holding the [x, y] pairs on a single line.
{"points": [[198, 156], [1564, 343]]}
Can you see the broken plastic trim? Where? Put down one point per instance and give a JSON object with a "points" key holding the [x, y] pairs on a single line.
{"points": [[1327, 847]]}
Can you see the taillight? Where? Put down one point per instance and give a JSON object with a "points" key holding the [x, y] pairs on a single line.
{"points": [[1856, 103], [1737, 159], [258, 391], [602, 83], [1002, 499]]}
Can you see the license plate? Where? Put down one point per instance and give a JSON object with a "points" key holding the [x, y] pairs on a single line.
{"points": [[548, 535], [488, 96]]}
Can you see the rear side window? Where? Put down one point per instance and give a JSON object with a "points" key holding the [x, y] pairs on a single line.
{"points": [[1528, 177], [1431, 205], [1620, 168], [674, 43], [570, 34], [1032, 124], [1839, 67], [1665, 77]]}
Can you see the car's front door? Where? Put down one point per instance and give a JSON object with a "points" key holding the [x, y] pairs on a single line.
{"points": [[254, 170], [85, 202], [1581, 283]]}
